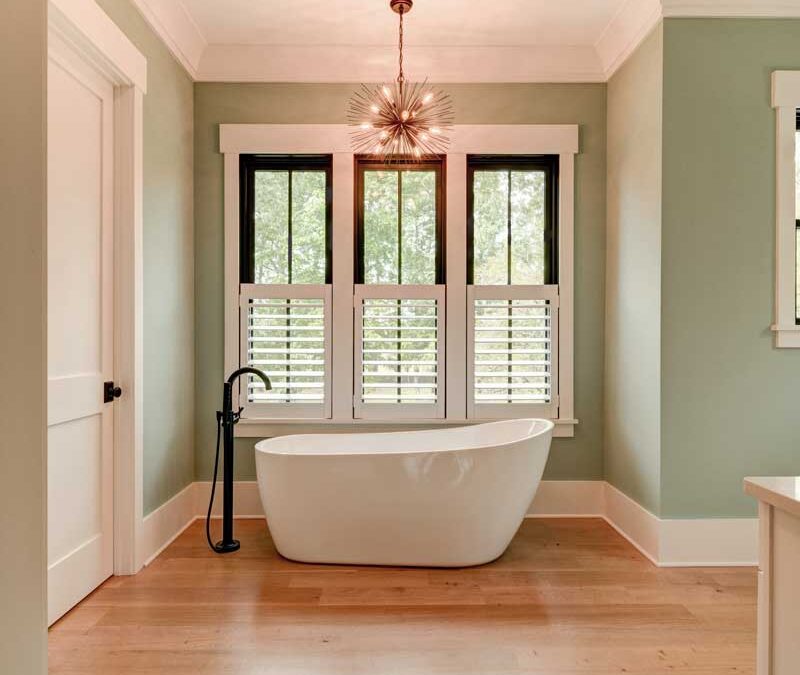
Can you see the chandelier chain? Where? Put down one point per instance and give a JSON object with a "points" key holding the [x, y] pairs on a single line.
{"points": [[401, 77]]}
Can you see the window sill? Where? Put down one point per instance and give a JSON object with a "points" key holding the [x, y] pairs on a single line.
{"points": [[787, 337], [270, 428]]}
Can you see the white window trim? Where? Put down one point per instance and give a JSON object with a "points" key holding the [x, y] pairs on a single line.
{"points": [[786, 101], [334, 139]]}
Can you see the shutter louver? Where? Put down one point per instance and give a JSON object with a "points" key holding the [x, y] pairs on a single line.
{"points": [[399, 351], [286, 333], [513, 353]]}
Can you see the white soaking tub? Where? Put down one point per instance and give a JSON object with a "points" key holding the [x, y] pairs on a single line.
{"points": [[443, 498]]}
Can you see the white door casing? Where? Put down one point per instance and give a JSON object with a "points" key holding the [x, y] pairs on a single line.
{"points": [[80, 329]]}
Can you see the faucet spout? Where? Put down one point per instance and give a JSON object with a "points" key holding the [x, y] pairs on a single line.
{"points": [[252, 371], [230, 418]]}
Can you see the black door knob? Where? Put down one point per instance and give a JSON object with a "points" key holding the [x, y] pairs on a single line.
{"points": [[110, 392]]}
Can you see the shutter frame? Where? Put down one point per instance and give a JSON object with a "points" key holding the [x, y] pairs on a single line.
{"points": [[486, 409], [368, 406], [298, 406]]}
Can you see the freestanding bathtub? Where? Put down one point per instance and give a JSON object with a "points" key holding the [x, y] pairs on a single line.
{"points": [[444, 498]]}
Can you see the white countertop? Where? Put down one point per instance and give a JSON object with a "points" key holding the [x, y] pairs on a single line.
{"points": [[782, 492]]}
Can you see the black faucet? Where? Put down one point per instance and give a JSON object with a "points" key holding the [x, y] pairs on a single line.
{"points": [[226, 419], [228, 416]]}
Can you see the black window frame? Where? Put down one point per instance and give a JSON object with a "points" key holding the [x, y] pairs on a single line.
{"points": [[364, 163], [797, 229], [249, 165], [549, 164]]}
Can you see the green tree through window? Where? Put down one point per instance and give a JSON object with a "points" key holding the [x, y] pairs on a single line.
{"points": [[400, 224], [511, 222], [285, 233]]}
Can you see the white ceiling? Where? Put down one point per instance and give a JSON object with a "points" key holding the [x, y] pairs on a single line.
{"points": [[430, 23], [448, 40]]}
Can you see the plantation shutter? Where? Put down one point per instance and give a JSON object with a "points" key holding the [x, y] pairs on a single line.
{"points": [[286, 332], [512, 353], [399, 352]]}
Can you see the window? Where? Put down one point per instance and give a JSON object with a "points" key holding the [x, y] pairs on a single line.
{"points": [[399, 228], [511, 231], [285, 272], [797, 219], [427, 291], [399, 308], [786, 101], [286, 220], [513, 293]]}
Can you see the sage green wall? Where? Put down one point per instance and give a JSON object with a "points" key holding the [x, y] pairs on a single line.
{"points": [[584, 104], [168, 262], [633, 276], [23, 340], [730, 404]]}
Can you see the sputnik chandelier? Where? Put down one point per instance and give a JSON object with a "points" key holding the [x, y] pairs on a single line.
{"points": [[400, 119]]}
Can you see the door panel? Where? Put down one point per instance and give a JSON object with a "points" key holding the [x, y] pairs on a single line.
{"points": [[75, 475], [80, 329]]}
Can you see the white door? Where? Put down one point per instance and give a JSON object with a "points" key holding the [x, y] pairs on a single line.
{"points": [[80, 206]]}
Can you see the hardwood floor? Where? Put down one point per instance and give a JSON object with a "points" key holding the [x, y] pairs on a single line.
{"points": [[569, 596]]}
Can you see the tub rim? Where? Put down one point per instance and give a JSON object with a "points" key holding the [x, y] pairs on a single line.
{"points": [[547, 426]]}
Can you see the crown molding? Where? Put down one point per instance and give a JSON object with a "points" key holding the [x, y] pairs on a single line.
{"points": [[631, 25], [174, 24], [731, 8], [204, 62], [342, 63]]}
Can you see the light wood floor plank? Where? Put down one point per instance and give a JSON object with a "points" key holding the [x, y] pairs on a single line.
{"points": [[570, 597]]}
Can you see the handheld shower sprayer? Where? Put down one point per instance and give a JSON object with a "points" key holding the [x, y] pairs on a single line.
{"points": [[226, 420]]}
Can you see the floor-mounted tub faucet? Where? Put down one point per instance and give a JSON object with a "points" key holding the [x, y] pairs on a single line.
{"points": [[226, 420]]}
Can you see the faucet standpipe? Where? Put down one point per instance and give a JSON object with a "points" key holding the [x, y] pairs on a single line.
{"points": [[226, 420]]}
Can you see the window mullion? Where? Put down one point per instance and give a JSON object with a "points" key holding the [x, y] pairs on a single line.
{"points": [[509, 263], [289, 229], [399, 227], [290, 217], [508, 231], [400, 282]]}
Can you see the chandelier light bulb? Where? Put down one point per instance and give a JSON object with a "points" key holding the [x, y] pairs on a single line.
{"points": [[406, 119]]}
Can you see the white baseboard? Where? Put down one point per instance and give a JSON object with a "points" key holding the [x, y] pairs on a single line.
{"points": [[710, 542], [161, 527], [632, 521], [673, 542], [706, 542]]}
